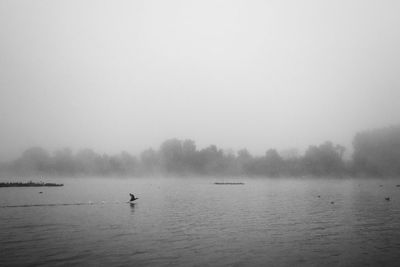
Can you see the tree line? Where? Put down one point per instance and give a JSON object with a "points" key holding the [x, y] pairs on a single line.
{"points": [[376, 153]]}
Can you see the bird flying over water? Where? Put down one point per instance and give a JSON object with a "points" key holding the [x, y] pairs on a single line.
{"points": [[133, 198]]}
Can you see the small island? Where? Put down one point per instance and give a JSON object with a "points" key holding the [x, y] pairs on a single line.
{"points": [[27, 184]]}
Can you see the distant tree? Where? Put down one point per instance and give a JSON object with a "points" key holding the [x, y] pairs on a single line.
{"points": [[188, 147], [324, 159], [128, 163], [244, 159], [149, 161], [212, 160], [293, 164], [87, 160], [273, 163], [229, 163], [190, 157], [257, 167], [171, 156], [64, 162], [377, 152], [34, 160], [115, 166], [244, 155], [294, 167], [291, 153]]}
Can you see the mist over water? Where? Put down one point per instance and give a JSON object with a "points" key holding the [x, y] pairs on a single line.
{"points": [[297, 102]]}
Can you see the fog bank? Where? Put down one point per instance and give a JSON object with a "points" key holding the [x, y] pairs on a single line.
{"points": [[123, 75]]}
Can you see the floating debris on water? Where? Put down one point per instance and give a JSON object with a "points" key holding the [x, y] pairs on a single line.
{"points": [[228, 183]]}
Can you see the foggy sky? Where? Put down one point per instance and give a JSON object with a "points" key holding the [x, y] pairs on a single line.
{"points": [[126, 75]]}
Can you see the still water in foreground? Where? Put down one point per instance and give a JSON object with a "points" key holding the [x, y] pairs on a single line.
{"points": [[192, 221]]}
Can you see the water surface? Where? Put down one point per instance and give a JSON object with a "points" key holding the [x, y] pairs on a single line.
{"points": [[192, 221]]}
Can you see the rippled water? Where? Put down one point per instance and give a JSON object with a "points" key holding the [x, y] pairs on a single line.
{"points": [[191, 221]]}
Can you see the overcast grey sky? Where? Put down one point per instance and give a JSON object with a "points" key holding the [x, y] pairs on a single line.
{"points": [[126, 75]]}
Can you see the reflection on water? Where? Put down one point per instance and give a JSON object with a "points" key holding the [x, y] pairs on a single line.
{"points": [[132, 205], [191, 221]]}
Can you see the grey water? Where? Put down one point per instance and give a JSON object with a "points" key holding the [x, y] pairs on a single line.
{"points": [[193, 222]]}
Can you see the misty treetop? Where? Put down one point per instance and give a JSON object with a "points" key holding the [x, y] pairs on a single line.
{"points": [[376, 152]]}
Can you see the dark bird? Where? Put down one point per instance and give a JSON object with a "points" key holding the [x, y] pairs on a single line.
{"points": [[133, 198], [319, 196], [387, 198], [332, 202]]}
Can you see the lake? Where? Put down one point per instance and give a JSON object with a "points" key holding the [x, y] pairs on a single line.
{"points": [[193, 222]]}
